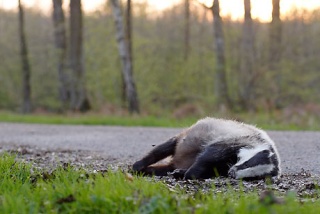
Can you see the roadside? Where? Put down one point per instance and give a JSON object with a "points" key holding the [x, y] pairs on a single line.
{"points": [[102, 148], [115, 144]]}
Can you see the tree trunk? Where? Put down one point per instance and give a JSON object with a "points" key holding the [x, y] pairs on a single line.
{"points": [[61, 46], [221, 87], [125, 56], [79, 100], [128, 32], [26, 88], [129, 28], [275, 48], [247, 75], [187, 29]]}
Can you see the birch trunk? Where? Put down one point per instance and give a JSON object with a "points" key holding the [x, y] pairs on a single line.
{"points": [[125, 57], [26, 87], [61, 49]]}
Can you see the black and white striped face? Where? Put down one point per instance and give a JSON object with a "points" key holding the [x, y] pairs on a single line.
{"points": [[259, 161]]}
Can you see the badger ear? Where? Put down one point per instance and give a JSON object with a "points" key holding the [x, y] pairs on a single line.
{"points": [[174, 139]]}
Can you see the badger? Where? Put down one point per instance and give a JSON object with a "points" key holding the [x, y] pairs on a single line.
{"points": [[214, 147]]}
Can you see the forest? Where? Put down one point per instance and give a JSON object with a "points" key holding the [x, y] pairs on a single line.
{"points": [[186, 60]]}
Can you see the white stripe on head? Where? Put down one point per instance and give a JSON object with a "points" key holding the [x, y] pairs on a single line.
{"points": [[255, 171]]}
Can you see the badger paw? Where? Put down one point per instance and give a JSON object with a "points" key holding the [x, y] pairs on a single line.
{"points": [[178, 173], [138, 166]]}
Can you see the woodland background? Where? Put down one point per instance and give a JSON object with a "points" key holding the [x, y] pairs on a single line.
{"points": [[174, 57]]}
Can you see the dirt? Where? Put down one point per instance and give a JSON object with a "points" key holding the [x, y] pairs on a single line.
{"points": [[303, 184], [48, 160]]}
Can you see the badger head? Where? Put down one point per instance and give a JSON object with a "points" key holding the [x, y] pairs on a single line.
{"points": [[257, 162]]}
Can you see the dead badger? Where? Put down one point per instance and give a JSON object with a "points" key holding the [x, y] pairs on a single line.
{"points": [[213, 147]]}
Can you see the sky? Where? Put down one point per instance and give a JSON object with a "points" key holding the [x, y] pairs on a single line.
{"points": [[260, 9]]}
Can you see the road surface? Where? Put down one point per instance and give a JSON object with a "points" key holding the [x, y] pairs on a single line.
{"points": [[298, 150]]}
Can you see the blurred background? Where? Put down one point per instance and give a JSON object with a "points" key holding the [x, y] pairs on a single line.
{"points": [[176, 58]]}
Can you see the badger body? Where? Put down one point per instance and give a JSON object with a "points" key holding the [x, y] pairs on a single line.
{"points": [[214, 147]]}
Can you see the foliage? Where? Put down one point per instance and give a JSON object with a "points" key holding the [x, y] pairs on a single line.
{"points": [[67, 190], [165, 81]]}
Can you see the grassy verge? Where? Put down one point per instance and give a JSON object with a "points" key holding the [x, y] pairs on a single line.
{"points": [[96, 119], [74, 191], [263, 120]]}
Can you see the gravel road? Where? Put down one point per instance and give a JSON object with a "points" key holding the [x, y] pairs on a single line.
{"points": [[298, 150]]}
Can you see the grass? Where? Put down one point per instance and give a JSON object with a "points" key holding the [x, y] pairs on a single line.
{"points": [[96, 119], [74, 191], [274, 121]]}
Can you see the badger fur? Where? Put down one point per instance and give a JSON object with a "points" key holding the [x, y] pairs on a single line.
{"points": [[214, 147]]}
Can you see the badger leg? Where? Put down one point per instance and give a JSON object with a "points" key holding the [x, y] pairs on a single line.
{"points": [[158, 153], [215, 160], [158, 170]]}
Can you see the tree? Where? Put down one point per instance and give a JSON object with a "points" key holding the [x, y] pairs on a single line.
{"points": [[61, 46], [186, 29], [26, 70], [128, 32], [247, 75], [79, 99], [126, 59], [129, 27], [221, 87], [275, 45]]}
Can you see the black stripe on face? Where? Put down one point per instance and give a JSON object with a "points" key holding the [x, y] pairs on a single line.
{"points": [[261, 158], [274, 158]]}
